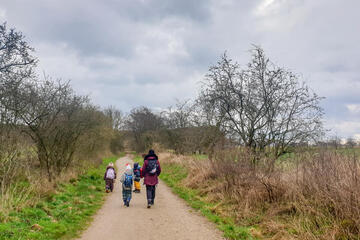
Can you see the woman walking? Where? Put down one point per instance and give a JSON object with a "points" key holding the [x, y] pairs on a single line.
{"points": [[150, 172]]}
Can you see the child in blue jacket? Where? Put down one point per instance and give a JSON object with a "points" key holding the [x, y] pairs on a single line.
{"points": [[127, 183]]}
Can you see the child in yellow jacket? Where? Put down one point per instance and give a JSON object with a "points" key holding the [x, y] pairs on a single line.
{"points": [[136, 170]]}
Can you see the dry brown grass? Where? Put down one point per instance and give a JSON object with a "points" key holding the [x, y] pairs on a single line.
{"points": [[318, 197]]}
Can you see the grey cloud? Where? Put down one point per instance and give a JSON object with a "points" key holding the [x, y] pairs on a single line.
{"points": [[155, 10], [121, 51], [96, 27], [88, 30]]}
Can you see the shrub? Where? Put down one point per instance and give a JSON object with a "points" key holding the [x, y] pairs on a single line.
{"points": [[314, 195]]}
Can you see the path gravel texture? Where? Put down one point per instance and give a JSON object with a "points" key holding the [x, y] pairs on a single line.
{"points": [[170, 218]]}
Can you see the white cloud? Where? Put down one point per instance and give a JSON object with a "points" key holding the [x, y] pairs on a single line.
{"points": [[353, 108], [343, 128], [266, 7], [357, 137]]}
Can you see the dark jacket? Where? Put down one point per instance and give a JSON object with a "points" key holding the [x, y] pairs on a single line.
{"points": [[151, 180], [151, 155], [107, 170], [137, 173]]}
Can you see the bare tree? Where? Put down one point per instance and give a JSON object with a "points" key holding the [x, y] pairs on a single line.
{"points": [[42, 115], [264, 106], [95, 133], [116, 116], [335, 142], [142, 122], [350, 142], [15, 53], [179, 116], [55, 118], [16, 66], [117, 120], [187, 130]]}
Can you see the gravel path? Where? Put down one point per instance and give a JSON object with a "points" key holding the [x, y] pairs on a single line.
{"points": [[170, 218]]}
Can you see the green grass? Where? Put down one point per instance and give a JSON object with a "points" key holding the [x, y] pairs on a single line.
{"points": [[138, 159], [349, 151], [173, 174], [61, 215]]}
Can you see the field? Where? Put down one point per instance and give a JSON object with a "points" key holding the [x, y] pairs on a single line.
{"points": [[173, 175], [62, 214], [309, 195]]}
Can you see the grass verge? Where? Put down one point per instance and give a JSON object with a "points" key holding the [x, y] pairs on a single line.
{"points": [[173, 174], [62, 215], [139, 159]]}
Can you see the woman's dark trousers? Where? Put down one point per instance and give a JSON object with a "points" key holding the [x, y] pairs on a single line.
{"points": [[150, 194]]}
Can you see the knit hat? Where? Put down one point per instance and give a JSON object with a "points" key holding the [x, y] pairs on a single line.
{"points": [[128, 169]]}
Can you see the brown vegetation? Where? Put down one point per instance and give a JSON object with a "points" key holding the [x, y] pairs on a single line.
{"points": [[316, 197]]}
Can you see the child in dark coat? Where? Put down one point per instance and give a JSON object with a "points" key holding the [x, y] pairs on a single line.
{"points": [[137, 174], [109, 176]]}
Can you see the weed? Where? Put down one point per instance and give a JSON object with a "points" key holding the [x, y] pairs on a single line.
{"points": [[173, 174], [138, 159], [310, 195], [63, 214]]}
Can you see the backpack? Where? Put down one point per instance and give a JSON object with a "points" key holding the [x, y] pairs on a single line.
{"points": [[110, 173], [128, 181], [137, 174], [152, 167]]}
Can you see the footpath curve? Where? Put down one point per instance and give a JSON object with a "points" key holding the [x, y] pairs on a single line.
{"points": [[169, 219]]}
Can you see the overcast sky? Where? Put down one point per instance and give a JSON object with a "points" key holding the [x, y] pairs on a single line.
{"points": [[150, 52]]}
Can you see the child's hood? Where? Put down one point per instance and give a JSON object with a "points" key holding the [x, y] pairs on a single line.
{"points": [[128, 170], [136, 165]]}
